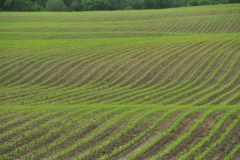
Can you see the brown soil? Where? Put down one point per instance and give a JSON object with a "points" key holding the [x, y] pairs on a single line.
{"points": [[82, 63], [235, 101], [42, 132], [73, 139], [134, 72], [21, 120], [210, 98], [7, 117], [204, 77], [132, 79], [212, 81], [228, 143], [123, 66], [110, 132], [93, 97], [172, 136], [236, 155], [164, 60], [125, 138], [32, 77], [167, 122], [11, 62], [181, 69], [233, 93], [26, 72], [202, 131], [93, 66], [75, 72], [25, 139], [51, 72], [171, 77], [35, 125]]}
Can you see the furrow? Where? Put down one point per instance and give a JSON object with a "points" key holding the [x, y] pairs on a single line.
{"points": [[165, 85], [171, 147], [208, 83], [145, 75], [193, 151], [89, 126], [101, 129], [49, 135], [72, 93], [202, 71], [219, 83], [144, 152], [107, 144], [228, 138]]}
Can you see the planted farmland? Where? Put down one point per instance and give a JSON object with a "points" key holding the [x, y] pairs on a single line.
{"points": [[150, 84]]}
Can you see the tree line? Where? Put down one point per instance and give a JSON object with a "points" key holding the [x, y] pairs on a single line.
{"points": [[91, 5]]}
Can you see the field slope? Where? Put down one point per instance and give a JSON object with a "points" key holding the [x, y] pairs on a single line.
{"points": [[149, 84]]}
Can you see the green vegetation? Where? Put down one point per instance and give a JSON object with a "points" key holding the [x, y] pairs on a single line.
{"points": [[150, 84], [55, 5]]}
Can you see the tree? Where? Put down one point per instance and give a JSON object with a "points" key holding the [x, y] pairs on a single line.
{"points": [[193, 3], [68, 3], [17, 5], [2, 3], [36, 7], [203, 2], [138, 4], [148, 4], [160, 3], [75, 6], [224, 1], [96, 4], [55, 5], [41, 2], [234, 1]]}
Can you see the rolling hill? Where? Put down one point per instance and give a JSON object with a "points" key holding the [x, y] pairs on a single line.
{"points": [[146, 84]]}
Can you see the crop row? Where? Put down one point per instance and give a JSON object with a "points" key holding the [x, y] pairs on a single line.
{"points": [[118, 131], [142, 74]]}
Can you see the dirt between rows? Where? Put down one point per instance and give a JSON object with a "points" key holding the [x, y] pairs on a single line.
{"points": [[134, 71], [203, 130], [196, 136], [19, 120], [122, 66], [212, 82], [160, 67], [104, 62], [235, 101], [172, 136], [128, 81], [228, 143], [116, 76], [125, 137], [148, 137], [110, 132], [236, 155], [206, 75], [71, 140], [25, 139], [22, 72], [7, 117]]}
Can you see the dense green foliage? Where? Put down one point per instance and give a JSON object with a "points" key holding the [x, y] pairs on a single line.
{"points": [[55, 5], [86, 5]]}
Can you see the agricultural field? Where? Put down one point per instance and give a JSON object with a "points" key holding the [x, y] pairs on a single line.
{"points": [[147, 84]]}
